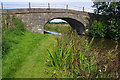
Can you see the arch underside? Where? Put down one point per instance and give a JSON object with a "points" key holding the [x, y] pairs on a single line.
{"points": [[76, 25]]}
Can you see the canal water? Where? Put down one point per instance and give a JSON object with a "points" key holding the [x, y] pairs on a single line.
{"points": [[102, 44], [105, 44], [49, 32]]}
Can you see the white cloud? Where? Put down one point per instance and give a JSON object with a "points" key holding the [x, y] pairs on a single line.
{"points": [[45, 0]]}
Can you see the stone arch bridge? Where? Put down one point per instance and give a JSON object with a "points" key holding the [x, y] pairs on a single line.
{"points": [[36, 18]]}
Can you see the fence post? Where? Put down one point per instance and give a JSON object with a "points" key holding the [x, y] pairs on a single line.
{"points": [[1, 5], [48, 5], [83, 9], [66, 6], [29, 5]]}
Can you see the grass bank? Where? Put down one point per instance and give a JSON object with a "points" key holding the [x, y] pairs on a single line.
{"points": [[25, 53], [27, 58]]}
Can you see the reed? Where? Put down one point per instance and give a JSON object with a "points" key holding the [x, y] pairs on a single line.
{"points": [[74, 57]]}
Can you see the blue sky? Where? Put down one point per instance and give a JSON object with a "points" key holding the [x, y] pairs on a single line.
{"points": [[73, 4], [46, 0]]}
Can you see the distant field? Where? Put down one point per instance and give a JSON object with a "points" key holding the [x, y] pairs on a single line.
{"points": [[56, 27]]}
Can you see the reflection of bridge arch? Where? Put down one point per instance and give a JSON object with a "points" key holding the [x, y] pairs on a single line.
{"points": [[78, 26]]}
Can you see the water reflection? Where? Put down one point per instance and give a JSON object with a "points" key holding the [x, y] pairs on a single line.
{"points": [[104, 44], [49, 32], [101, 44]]}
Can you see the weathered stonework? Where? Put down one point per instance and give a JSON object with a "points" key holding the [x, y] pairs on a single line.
{"points": [[36, 19]]}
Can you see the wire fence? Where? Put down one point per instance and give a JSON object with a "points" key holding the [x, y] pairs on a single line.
{"points": [[45, 5]]}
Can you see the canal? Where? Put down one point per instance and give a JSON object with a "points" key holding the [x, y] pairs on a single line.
{"points": [[102, 44]]}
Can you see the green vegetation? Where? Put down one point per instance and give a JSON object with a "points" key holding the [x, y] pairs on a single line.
{"points": [[34, 55], [25, 53], [101, 29], [16, 29], [74, 57], [0, 49], [28, 58], [56, 27], [97, 29], [109, 23]]}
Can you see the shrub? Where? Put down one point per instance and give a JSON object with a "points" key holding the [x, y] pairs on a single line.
{"points": [[113, 31], [98, 29], [105, 29]]}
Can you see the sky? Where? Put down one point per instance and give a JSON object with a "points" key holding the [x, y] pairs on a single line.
{"points": [[73, 4], [45, 0]]}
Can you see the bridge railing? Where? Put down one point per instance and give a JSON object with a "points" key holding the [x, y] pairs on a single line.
{"points": [[44, 5]]}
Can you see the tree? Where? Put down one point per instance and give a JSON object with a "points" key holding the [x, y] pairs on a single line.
{"points": [[111, 9], [110, 12]]}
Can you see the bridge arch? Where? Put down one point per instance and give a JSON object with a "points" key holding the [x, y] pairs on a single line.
{"points": [[35, 19], [75, 24]]}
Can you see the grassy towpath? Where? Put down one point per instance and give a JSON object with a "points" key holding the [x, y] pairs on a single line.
{"points": [[27, 59]]}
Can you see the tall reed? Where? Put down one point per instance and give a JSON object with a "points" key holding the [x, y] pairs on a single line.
{"points": [[73, 56]]}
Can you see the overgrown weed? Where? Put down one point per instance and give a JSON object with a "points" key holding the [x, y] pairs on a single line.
{"points": [[74, 57]]}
